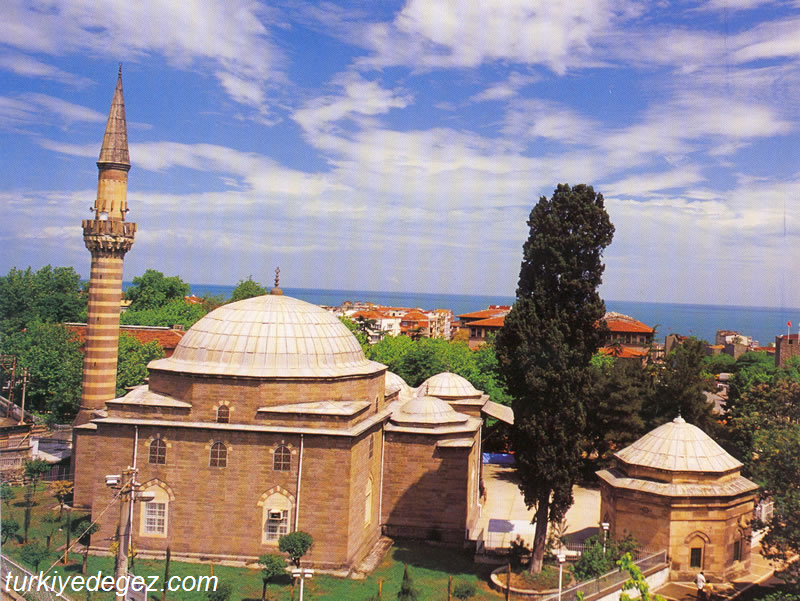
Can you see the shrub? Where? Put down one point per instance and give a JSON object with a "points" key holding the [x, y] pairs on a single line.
{"points": [[464, 590]]}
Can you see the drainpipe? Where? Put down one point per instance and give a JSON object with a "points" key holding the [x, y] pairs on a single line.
{"points": [[380, 494], [299, 480], [133, 478]]}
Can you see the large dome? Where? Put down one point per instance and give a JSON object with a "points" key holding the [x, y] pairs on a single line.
{"points": [[679, 447], [269, 336]]}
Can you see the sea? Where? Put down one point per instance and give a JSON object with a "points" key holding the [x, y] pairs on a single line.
{"points": [[702, 321]]}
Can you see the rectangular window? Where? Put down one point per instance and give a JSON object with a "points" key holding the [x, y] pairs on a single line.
{"points": [[737, 551], [155, 518], [371, 445], [277, 524], [696, 557]]}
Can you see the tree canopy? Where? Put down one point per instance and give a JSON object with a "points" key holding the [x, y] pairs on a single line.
{"points": [[52, 352], [546, 345], [247, 289], [153, 289], [296, 544], [174, 312], [132, 361], [50, 295], [680, 389]]}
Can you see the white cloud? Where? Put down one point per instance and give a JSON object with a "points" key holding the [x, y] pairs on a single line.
{"points": [[505, 89], [648, 183], [544, 119], [557, 34], [28, 66], [43, 109], [232, 35], [359, 98]]}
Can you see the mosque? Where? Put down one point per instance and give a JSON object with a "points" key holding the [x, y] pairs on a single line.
{"points": [[266, 419]]}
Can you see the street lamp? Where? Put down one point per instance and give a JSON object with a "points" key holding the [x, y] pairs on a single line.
{"points": [[562, 557], [302, 574], [605, 526]]}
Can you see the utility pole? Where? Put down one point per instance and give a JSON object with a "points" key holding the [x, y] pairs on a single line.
{"points": [[25, 374], [8, 363], [128, 487]]}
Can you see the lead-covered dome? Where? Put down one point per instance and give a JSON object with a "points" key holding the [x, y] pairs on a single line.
{"points": [[448, 385], [269, 336], [679, 447], [427, 412]]}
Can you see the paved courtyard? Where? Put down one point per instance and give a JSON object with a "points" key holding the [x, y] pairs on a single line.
{"points": [[504, 516]]}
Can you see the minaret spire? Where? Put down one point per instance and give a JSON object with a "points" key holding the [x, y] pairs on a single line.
{"points": [[108, 237], [115, 142]]}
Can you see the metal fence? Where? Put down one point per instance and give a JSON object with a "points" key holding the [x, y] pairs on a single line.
{"points": [[612, 579], [24, 583]]}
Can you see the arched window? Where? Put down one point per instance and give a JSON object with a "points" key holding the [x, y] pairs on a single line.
{"points": [[223, 414], [368, 502], [277, 508], [155, 514], [158, 452], [282, 459], [219, 455]]}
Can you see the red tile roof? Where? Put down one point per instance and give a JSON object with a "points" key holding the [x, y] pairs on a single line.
{"points": [[623, 325], [367, 315], [166, 337], [486, 313], [492, 322]]}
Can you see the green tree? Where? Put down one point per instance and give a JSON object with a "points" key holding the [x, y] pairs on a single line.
{"points": [[762, 406], [362, 338], [33, 554], [636, 581], [61, 490], [407, 591], [391, 351], [600, 558], [618, 389], [174, 312], [53, 355], [10, 527], [51, 522], [547, 343], [777, 470], [222, 592], [272, 565], [247, 289], [680, 389], [83, 530], [153, 289], [296, 544], [718, 364], [49, 295], [133, 359], [7, 494]]}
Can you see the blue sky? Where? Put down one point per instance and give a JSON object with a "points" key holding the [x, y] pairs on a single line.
{"points": [[401, 146]]}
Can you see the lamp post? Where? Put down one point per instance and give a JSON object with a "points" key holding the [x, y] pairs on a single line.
{"points": [[302, 574], [605, 526], [562, 557]]}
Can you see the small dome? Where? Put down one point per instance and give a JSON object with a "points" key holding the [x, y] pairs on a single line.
{"points": [[395, 383], [678, 447], [427, 412], [448, 385], [269, 336]]}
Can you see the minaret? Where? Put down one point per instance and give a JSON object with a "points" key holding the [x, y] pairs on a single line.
{"points": [[108, 237]]}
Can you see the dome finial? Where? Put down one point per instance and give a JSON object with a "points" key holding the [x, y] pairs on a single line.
{"points": [[679, 419], [276, 290]]}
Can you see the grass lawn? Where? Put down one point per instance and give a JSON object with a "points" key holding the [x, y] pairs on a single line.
{"points": [[429, 567]]}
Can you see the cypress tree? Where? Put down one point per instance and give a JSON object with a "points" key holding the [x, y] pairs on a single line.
{"points": [[546, 344]]}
